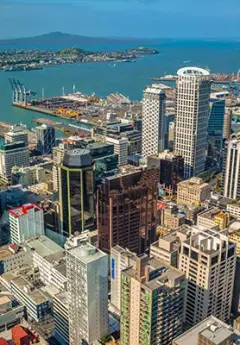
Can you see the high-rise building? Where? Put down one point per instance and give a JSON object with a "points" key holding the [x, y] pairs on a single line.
{"points": [[171, 167], [231, 168], [76, 192], [126, 210], [26, 222], [227, 123], [15, 134], [191, 121], [153, 120], [61, 317], [45, 135], [120, 259], [208, 260], [87, 273], [152, 303], [12, 154], [120, 148]]}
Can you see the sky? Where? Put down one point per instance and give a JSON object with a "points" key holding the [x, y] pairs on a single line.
{"points": [[121, 18]]}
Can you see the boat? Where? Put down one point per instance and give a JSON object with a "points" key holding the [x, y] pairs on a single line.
{"points": [[13, 69], [129, 60], [186, 61], [32, 68]]}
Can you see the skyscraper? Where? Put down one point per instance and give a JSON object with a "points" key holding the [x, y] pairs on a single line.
{"points": [[76, 192], [191, 122], [87, 274], [45, 135], [208, 259], [153, 120], [231, 168], [152, 303], [126, 210]]}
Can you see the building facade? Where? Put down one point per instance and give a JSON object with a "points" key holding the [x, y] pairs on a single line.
{"points": [[192, 192], [120, 148], [208, 260], [191, 121], [45, 136], [61, 317], [127, 209], [26, 222], [76, 192], [153, 121], [231, 168], [87, 273], [16, 133], [12, 154], [152, 303]]}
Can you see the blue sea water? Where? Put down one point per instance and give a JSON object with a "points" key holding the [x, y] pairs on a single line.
{"points": [[127, 78]]}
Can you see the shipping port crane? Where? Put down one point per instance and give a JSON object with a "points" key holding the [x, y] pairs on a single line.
{"points": [[20, 94]]}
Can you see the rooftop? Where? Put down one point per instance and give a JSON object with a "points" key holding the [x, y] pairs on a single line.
{"points": [[193, 183], [210, 214], [62, 297], [23, 210], [45, 247], [154, 90], [192, 71], [9, 250], [86, 253], [77, 158], [212, 328]]}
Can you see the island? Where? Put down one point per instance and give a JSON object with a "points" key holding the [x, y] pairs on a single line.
{"points": [[32, 59]]}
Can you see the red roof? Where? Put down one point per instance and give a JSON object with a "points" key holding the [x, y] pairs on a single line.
{"points": [[18, 332], [23, 210], [3, 341]]}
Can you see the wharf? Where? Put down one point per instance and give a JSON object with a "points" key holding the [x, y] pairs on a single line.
{"points": [[67, 129]]}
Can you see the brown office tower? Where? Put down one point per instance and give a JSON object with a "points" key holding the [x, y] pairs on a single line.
{"points": [[126, 211]]}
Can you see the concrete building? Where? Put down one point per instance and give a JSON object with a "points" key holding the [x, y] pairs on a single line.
{"points": [[120, 148], [231, 168], [234, 209], [49, 258], [153, 120], [61, 317], [29, 176], [26, 222], [87, 273], [171, 167], [208, 260], [15, 134], [26, 287], [192, 192], [126, 210], [191, 121], [45, 136], [13, 256], [171, 217], [152, 303], [76, 192], [214, 217], [10, 313], [12, 154], [227, 123], [166, 249], [210, 331], [120, 259]]}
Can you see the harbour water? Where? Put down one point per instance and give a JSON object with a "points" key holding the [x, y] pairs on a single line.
{"points": [[127, 78]]}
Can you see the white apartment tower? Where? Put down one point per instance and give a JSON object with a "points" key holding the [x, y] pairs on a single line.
{"points": [[191, 121], [231, 168], [153, 120], [26, 222], [120, 148], [87, 274], [208, 260]]}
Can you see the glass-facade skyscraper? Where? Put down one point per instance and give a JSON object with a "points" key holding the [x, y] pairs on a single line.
{"points": [[76, 192]]}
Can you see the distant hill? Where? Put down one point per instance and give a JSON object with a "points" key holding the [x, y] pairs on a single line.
{"points": [[59, 38]]}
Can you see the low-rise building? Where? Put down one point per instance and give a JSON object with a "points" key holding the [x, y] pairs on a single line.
{"points": [[172, 218], [210, 331], [26, 287], [166, 249], [28, 176], [193, 191], [214, 217], [13, 256], [61, 318], [49, 258], [234, 209]]}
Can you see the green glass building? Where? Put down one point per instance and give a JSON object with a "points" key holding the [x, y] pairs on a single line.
{"points": [[76, 192]]}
